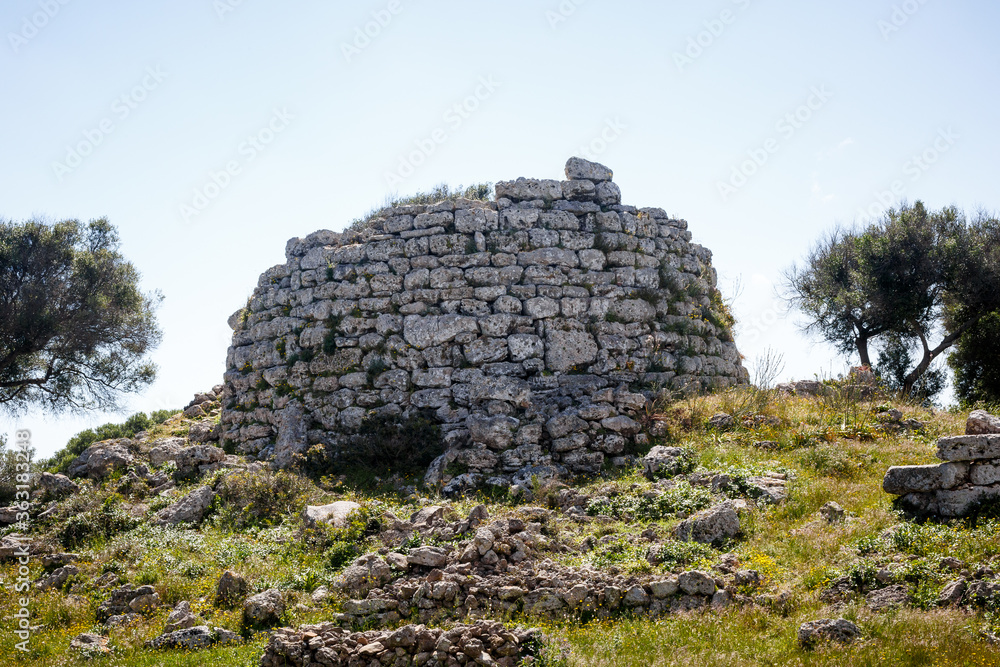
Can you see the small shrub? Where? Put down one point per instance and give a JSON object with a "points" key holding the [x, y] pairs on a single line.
{"points": [[260, 498], [104, 522], [341, 553], [681, 498], [831, 461]]}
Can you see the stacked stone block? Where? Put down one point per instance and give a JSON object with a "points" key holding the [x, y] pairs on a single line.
{"points": [[969, 476], [534, 327]]}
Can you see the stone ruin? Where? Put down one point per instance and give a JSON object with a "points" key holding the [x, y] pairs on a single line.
{"points": [[969, 476], [534, 328]]}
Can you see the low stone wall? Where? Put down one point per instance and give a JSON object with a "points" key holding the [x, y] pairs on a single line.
{"points": [[525, 325], [485, 643], [969, 475]]}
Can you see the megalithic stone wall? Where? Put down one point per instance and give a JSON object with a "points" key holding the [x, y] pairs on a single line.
{"points": [[535, 327]]}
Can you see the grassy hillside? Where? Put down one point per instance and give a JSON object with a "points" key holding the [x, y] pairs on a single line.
{"points": [[833, 448]]}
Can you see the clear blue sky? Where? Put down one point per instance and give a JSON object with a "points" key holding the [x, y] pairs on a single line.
{"points": [[127, 110]]}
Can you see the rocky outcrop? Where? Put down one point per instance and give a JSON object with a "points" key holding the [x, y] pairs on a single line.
{"points": [[264, 609], [102, 458], [193, 639], [485, 643], [189, 509], [970, 474], [520, 324]]}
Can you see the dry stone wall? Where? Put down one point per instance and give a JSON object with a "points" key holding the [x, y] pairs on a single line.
{"points": [[534, 327], [969, 476]]}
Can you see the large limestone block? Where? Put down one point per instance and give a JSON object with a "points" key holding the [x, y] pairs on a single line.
{"points": [[969, 447], [900, 480], [982, 422], [565, 350], [578, 168], [428, 331]]}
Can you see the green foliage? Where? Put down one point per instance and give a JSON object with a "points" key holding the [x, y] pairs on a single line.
{"points": [[9, 462], [895, 359], [138, 422], [260, 498], [976, 363], [74, 327], [909, 275], [652, 507], [104, 522]]}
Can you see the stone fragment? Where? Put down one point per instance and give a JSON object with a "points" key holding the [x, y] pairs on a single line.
{"points": [[827, 629], [710, 526], [336, 514], [428, 557], [231, 588], [696, 582]]}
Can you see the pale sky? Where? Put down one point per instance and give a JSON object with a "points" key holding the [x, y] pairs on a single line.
{"points": [[210, 132]]}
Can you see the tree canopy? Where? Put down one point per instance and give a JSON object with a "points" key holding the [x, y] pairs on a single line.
{"points": [[976, 363], [914, 281], [75, 328]]}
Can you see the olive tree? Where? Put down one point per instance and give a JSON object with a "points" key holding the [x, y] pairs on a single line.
{"points": [[914, 278], [75, 329]]}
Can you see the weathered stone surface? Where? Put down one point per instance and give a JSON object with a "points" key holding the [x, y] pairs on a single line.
{"points": [[828, 629], [969, 447], [180, 618], [335, 514], [101, 459], [264, 609], [56, 486], [578, 168], [427, 331], [712, 525], [900, 480], [887, 598], [428, 556], [696, 582], [231, 588], [193, 639], [569, 350], [981, 422], [189, 509]]}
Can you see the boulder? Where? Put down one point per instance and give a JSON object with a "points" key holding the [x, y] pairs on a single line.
{"points": [[189, 509], [981, 422], [662, 461], [577, 168], [56, 486], [231, 588], [721, 421], [203, 431], [887, 598], [58, 577], [428, 556], [827, 629], [832, 512], [711, 526], [264, 609], [102, 458], [368, 572], [192, 458], [164, 450], [335, 514], [180, 618], [696, 582]]}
